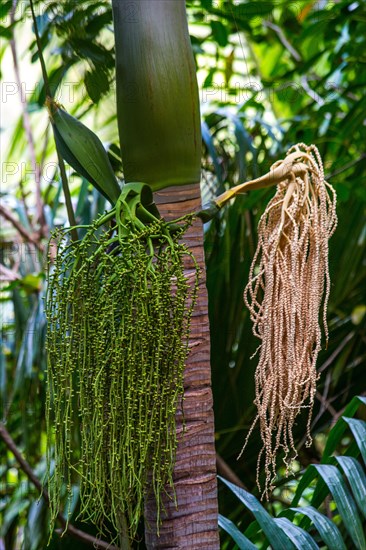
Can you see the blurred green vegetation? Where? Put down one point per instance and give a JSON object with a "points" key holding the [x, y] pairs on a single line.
{"points": [[271, 74]]}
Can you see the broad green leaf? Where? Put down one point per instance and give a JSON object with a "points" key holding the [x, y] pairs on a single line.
{"points": [[5, 8], [84, 151], [301, 539], [275, 535], [31, 283], [240, 539], [55, 78], [99, 21], [336, 433], [344, 501], [327, 529], [209, 78], [5, 32], [358, 428], [96, 53], [252, 529], [356, 478], [257, 10]]}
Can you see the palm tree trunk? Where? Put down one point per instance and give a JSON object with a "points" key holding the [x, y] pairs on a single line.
{"points": [[193, 524]]}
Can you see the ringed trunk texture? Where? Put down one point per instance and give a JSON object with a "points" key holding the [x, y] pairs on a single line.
{"points": [[193, 524]]}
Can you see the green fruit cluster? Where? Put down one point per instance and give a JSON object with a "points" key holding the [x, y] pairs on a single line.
{"points": [[118, 307]]}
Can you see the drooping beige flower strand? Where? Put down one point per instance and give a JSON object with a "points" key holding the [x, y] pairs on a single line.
{"points": [[287, 297]]}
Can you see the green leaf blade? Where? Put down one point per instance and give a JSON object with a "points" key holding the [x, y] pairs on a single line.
{"points": [[277, 538], [327, 529], [356, 479], [358, 428], [336, 433], [344, 501], [241, 540], [300, 538]]}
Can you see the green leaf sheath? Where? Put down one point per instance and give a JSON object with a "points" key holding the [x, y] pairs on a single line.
{"points": [[157, 94]]}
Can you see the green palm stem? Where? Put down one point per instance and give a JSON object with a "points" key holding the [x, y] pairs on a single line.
{"points": [[159, 127]]}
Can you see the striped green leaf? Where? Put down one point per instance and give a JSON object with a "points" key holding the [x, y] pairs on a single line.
{"points": [[328, 531], [277, 538], [336, 433], [358, 428], [334, 438], [240, 539], [300, 538], [356, 479], [344, 501]]}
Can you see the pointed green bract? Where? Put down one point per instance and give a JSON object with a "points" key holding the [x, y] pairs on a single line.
{"points": [[84, 151]]}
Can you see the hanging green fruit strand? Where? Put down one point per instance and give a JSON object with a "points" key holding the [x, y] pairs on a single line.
{"points": [[118, 307]]}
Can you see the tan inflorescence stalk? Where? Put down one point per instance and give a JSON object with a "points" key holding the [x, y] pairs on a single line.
{"points": [[118, 307], [287, 297]]}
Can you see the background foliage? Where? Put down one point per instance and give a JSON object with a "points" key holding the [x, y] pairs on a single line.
{"points": [[271, 74]]}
